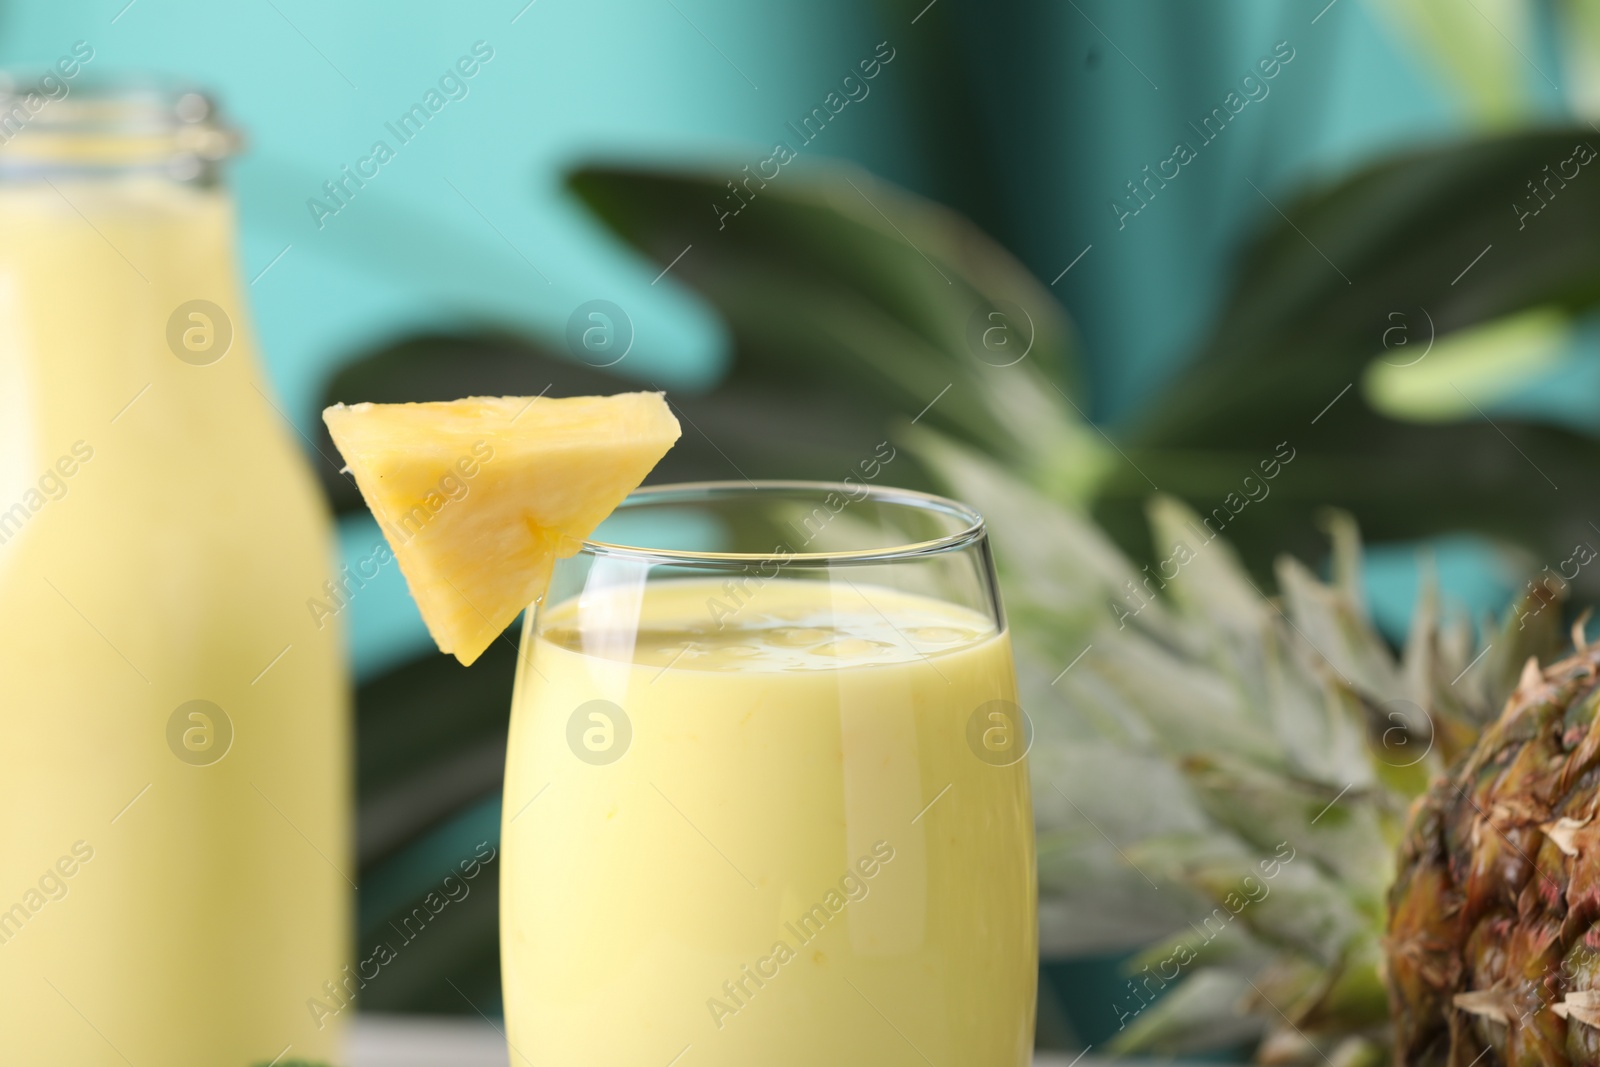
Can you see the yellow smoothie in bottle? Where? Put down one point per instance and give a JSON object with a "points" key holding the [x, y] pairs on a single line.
{"points": [[766, 834], [173, 881]]}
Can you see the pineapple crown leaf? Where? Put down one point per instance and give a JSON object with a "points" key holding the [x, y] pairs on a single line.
{"points": [[1199, 1014], [1255, 721], [1345, 536]]}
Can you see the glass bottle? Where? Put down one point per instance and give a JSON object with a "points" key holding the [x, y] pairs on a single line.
{"points": [[174, 786]]}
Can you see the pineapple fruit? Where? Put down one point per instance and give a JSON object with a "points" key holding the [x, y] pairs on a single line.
{"points": [[1493, 945], [479, 497], [1222, 778]]}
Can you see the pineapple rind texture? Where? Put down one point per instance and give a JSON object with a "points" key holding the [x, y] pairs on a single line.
{"points": [[479, 497], [1493, 951]]}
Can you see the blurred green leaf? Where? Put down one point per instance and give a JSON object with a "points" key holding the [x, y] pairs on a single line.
{"points": [[433, 737], [862, 295], [1432, 242], [829, 278]]}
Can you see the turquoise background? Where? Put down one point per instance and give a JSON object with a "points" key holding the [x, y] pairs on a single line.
{"points": [[468, 226]]}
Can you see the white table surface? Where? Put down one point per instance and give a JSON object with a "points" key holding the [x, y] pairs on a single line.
{"points": [[413, 1041]]}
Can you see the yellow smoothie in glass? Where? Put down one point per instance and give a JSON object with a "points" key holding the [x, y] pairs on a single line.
{"points": [[170, 889], [765, 833]]}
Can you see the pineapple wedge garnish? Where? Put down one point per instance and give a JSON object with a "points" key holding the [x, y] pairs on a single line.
{"points": [[479, 497]]}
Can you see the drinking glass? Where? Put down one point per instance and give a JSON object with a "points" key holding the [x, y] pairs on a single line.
{"points": [[767, 793]]}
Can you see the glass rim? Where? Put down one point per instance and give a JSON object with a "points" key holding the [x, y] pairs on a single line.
{"points": [[972, 530]]}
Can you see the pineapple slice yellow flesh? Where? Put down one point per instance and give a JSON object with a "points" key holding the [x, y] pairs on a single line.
{"points": [[479, 497]]}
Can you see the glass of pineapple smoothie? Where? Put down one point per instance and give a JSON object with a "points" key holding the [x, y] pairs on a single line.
{"points": [[767, 795]]}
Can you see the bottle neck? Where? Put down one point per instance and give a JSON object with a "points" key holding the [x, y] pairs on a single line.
{"points": [[54, 127]]}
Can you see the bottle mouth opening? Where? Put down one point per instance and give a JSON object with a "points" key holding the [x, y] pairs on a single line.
{"points": [[54, 124], [720, 525]]}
